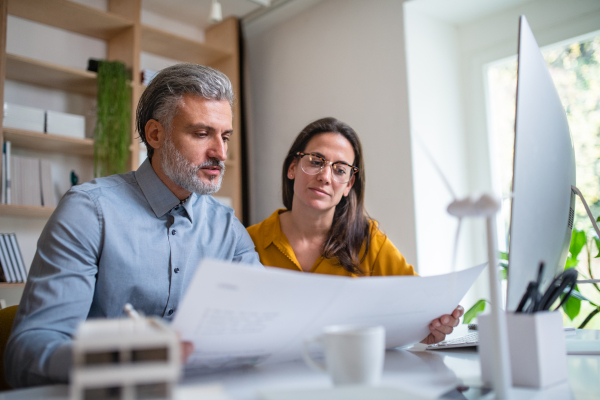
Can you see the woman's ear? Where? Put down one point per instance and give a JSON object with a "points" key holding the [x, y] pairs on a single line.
{"points": [[349, 187], [291, 172]]}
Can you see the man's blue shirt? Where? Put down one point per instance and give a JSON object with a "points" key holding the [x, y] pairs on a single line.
{"points": [[115, 240]]}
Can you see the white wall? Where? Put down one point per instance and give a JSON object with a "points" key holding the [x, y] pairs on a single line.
{"points": [[341, 58], [437, 123]]}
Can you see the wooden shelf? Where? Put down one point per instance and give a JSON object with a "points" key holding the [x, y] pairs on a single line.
{"points": [[41, 73], [70, 16], [10, 210], [125, 37], [48, 142], [168, 45], [5, 285]]}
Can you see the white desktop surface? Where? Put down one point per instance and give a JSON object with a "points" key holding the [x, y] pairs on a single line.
{"points": [[429, 373]]}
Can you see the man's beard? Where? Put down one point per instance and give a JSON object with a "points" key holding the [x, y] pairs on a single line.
{"points": [[185, 174]]}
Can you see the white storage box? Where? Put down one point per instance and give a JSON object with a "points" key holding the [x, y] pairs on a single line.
{"points": [[22, 117], [58, 123]]}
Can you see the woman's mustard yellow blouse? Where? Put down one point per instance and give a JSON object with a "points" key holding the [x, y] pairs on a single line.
{"points": [[275, 250]]}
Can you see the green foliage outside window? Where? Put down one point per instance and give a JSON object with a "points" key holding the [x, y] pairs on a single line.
{"points": [[579, 304]]}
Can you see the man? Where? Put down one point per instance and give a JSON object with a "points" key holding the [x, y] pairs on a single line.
{"points": [[137, 237]]}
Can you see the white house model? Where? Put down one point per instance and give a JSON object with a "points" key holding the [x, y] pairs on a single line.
{"points": [[125, 359]]}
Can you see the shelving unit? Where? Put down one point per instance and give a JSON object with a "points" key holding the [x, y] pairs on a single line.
{"points": [[34, 72], [11, 210], [168, 45], [49, 143], [75, 17], [4, 285], [126, 38]]}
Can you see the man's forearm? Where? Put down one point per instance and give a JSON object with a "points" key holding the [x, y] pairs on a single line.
{"points": [[38, 357]]}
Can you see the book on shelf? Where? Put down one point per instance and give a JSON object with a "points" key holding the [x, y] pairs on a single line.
{"points": [[6, 173], [7, 274], [3, 187], [18, 255], [48, 197], [11, 259], [28, 181]]}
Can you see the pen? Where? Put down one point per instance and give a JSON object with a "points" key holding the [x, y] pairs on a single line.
{"points": [[133, 314], [537, 296], [130, 311]]}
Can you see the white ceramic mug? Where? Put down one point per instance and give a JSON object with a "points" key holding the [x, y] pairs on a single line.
{"points": [[353, 354]]}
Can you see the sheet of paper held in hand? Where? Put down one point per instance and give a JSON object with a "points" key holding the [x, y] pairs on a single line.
{"points": [[237, 314]]}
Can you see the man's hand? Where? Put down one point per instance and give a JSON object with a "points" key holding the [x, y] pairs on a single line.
{"points": [[187, 348], [443, 326]]}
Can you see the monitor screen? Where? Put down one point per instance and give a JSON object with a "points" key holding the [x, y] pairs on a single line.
{"points": [[544, 169]]}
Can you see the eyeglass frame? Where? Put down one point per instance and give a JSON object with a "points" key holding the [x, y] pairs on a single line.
{"points": [[325, 162]]}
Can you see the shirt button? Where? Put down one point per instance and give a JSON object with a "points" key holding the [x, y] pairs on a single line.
{"points": [[170, 312], [173, 232], [176, 270]]}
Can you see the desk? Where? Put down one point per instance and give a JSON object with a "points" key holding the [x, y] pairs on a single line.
{"points": [[430, 373]]}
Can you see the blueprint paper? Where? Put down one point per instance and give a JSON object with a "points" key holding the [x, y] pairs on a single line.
{"points": [[236, 314]]}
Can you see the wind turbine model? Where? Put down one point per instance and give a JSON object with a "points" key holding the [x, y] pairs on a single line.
{"points": [[486, 206]]}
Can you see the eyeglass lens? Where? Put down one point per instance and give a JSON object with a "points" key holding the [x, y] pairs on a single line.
{"points": [[312, 165]]}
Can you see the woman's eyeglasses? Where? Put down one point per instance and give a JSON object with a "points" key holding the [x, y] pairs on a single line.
{"points": [[312, 164]]}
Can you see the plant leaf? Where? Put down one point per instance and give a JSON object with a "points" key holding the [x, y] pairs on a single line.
{"points": [[571, 263], [572, 307], [503, 264], [597, 241], [578, 241], [474, 311]]}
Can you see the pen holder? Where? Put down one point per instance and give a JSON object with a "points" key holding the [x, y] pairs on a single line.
{"points": [[538, 353]]}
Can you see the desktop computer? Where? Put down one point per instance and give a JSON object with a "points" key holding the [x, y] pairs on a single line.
{"points": [[543, 172], [543, 192]]}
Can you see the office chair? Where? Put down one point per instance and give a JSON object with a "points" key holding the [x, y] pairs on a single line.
{"points": [[7, 316]]}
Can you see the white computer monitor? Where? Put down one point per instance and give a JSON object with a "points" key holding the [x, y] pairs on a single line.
{"points": [[543, 203]]}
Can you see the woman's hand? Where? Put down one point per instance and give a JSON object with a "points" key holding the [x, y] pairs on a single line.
{"points": [[443, 326]]}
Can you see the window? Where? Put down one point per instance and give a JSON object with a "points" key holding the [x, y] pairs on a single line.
{"points": [[575, 69]]}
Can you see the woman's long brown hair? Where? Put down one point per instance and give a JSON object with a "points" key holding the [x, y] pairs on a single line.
{"points": [[350, 227]]}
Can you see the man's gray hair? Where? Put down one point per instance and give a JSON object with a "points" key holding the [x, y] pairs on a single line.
{"points": [[162, 97]]}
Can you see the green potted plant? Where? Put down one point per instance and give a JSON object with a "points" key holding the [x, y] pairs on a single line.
{"points": [[112, 132]]}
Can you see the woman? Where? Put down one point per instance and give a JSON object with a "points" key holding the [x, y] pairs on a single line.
{"points": [[324, 227]]}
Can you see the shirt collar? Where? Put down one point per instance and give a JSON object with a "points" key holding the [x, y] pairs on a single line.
{"points": [[189, 204], [158, 195], [272, 228]]}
